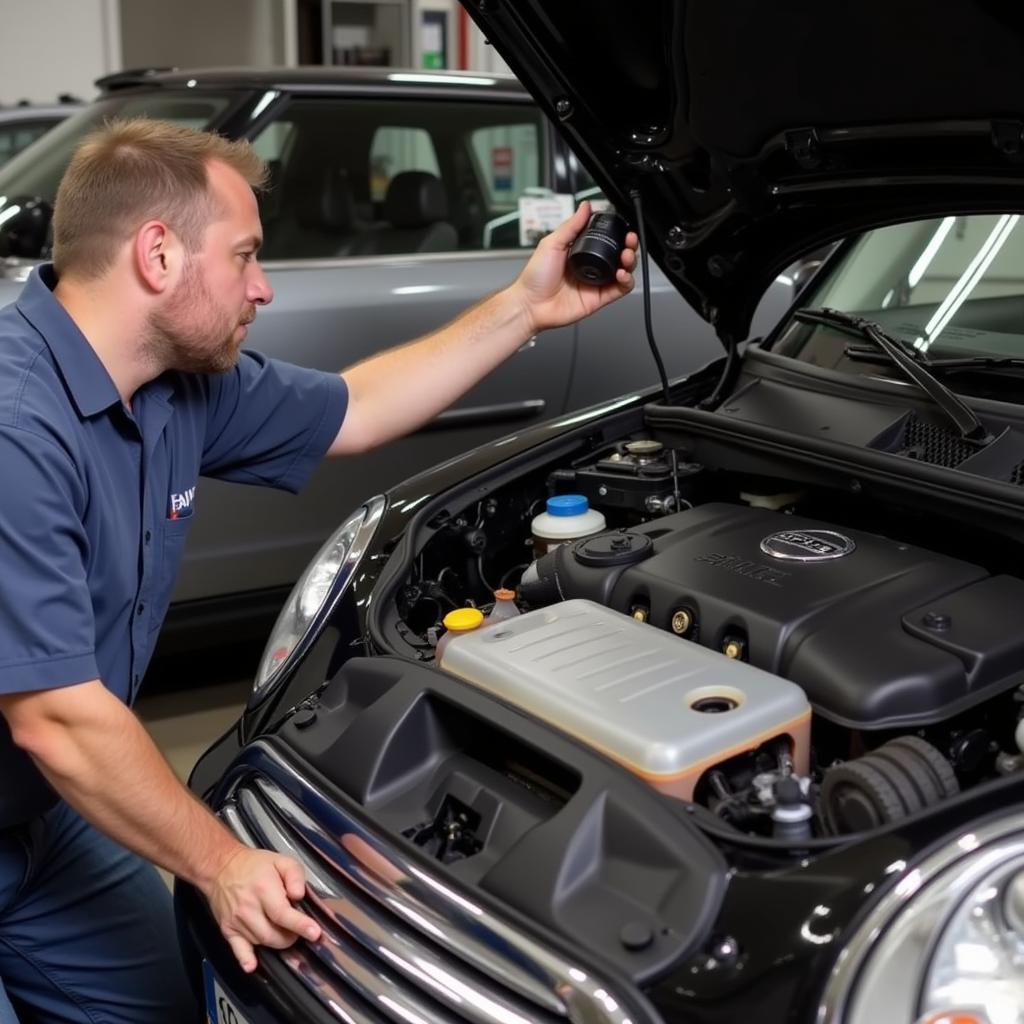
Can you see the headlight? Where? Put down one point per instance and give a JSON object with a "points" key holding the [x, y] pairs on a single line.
{"points": [[313, 598], [946, 946]]}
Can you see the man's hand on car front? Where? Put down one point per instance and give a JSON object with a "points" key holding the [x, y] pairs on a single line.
{"points": [[251, 897]]}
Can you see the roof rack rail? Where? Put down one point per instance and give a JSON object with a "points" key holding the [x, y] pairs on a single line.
{"points": [[128, 77]]}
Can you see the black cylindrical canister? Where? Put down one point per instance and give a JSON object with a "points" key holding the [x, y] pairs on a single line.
{"points": [[596, 254]]}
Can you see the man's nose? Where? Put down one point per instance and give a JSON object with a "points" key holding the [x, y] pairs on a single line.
{"points": [[259, 292]]}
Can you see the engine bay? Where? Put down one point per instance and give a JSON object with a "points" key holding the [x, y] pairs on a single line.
{"points": [[798, 663]]}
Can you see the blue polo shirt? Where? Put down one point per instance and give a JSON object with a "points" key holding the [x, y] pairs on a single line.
{"points": [[97, 500]]}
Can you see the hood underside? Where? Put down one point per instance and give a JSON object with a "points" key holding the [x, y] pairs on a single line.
{"points": [[756, 132]]}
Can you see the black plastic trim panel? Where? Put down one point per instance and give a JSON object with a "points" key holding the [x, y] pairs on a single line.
{"points": [[573, 845]]}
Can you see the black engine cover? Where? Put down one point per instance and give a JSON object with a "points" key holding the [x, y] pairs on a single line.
{"points": [[879, 634]]}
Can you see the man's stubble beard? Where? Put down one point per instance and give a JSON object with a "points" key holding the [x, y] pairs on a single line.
{"points": [[184, 336]]}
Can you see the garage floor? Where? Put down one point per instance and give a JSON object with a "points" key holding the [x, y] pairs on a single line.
{"points": [[185, 723], [186, 710]]}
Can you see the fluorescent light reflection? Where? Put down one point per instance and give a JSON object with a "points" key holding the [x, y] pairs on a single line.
{"points": [[909, 885], [968, 280], [926, 257], [431, 79], [265, 100], [594, 413], [417, 919], [401, 1011], [418, 289], [11, 211], [450, 894]]}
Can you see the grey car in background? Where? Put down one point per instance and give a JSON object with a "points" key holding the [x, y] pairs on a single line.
{"points": [[21, 125], [394, 205]]}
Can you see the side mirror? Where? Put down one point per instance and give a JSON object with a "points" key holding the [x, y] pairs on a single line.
{"points": [[25, 227]]}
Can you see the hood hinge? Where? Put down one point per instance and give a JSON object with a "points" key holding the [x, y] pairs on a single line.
{"points": [[1008, 138], [804, 146]]}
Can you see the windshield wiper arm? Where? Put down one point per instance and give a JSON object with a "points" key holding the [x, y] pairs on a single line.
{"points": [[956, 363], [967, 423], [947, 364]]}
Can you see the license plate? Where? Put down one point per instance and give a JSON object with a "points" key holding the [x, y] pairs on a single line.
{"points": [[219, 1006]]}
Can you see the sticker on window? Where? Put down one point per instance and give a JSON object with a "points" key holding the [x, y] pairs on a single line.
{"points": [[540, 215]]}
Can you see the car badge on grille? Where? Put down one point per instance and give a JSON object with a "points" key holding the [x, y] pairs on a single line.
{"points": [[807, 545]]}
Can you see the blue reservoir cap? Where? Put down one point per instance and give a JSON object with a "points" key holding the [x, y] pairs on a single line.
{"points": [[567, 505]]}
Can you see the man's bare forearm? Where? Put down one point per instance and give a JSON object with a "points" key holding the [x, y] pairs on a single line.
{"points": [[396, 391], [99, 758]]}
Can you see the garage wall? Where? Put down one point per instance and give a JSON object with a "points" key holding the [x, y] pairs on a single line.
{"points": [[198, 33], [55, 46], [482, 56]]}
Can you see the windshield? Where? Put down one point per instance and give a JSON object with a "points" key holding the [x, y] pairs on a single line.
{"points": [[951, 286], [35, 172]]}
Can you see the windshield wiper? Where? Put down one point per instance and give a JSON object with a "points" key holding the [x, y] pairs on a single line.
{"points": [[967, 423], [949, 364]]}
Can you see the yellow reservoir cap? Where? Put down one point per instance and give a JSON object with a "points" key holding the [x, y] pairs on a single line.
{"points": [[463, 619]]}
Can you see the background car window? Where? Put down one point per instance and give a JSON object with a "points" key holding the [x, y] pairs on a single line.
{"points": [[37, 172], [364, 177], [395, 150], [507, 162], [15, 137], [271, 144]]}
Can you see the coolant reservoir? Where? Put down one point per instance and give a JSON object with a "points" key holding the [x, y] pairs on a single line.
{"points": [[665, 708], [504, 607], [456, 623], [567, 517]]}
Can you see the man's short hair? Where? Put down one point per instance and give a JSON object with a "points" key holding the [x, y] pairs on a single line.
{"points": [[131, 171]]}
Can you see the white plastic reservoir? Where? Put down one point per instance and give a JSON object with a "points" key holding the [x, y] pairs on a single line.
{"points": [[567, 517]]}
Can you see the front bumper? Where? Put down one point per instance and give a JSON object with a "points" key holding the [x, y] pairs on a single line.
{"points": [[399, 944]]}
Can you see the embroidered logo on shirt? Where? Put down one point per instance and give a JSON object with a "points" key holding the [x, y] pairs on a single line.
{"points": [[181, 504]]}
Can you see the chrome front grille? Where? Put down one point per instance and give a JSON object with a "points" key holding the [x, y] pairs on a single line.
{"points": [[399, 944]]}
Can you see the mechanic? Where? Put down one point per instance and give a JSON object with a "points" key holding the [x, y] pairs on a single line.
{"points": [[122, 381]]}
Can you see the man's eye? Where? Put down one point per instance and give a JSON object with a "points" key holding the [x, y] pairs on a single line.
{"points": [[247, 257]]}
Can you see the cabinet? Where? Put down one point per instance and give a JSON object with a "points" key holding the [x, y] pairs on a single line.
{"points": [[367, 32]]}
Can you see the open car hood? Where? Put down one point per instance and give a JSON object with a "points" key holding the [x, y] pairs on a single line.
{"points": [[755, 132]]}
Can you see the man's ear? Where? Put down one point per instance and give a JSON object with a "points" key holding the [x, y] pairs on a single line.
{"points": [[157, 256]]}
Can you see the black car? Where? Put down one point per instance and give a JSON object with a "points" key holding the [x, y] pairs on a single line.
{"points": [[755, 750]]}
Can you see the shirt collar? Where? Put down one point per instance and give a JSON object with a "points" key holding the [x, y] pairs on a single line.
{"points": [[91, 387]]}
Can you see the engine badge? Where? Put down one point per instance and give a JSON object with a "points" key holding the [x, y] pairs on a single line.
{"points": [[807, 545]]}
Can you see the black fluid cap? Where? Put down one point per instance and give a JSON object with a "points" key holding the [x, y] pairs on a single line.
{"points": [[596, 254], [788, 792], [636, 935], [622, 547], [303, 718]]}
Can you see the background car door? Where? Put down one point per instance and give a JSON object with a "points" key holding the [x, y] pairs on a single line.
{"points": [[374, 227]]}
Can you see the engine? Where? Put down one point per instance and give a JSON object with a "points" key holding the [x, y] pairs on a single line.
{"points": [[878, 634], [793, 676]]}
